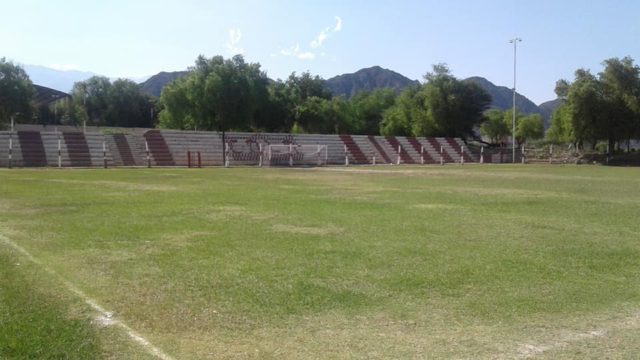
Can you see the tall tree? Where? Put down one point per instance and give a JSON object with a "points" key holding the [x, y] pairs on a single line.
{"points": [[604, 107], [92, 100], [530, 127], [405, 115], [561, 130], [586, 107], [100, 102], [16, 92], [443, 106], [217, 94], [621, 91], [369, 107], [495, 127], [453, 107]]}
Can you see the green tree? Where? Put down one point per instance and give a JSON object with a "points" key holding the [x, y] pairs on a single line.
{"points": [[454, 108], [300, 88], [369, 107], [92, 100], [277, 114], [561, 131], [530, 127], [128, 107], [606, 107], [587, 108], [621, 91], [562, 89], [16, 92], [495, 127], [217, 94], [100, 102], [407, 111]]}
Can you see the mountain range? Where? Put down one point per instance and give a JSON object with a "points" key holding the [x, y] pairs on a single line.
{"points": [[366, 79]]}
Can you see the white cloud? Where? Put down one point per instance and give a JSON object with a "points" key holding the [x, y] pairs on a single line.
{"points": [[292, 51], [324, 34], [308, 55], [235, 35], [295, 52], [320, 38], [338, 26], [316, 43]]}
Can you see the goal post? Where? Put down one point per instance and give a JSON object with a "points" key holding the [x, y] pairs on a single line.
{"points": [[295, 155]]}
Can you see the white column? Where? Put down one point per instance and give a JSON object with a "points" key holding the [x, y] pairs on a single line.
{"points": [[290, 154], [146, 147], [59, 152], [346, 156]]}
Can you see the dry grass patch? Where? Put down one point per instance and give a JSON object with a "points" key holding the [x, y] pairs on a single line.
{"points": [[234, 212], [329, 229], [118, 184]]}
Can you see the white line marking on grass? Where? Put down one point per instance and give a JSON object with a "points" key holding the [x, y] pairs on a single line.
{"points": [[105, 317]]}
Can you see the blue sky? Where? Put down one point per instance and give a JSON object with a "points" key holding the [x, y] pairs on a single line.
{"points": [[137, 38]]}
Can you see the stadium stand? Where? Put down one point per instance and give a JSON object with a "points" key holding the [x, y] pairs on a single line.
{"points": [[70, 146], [31, 150]]}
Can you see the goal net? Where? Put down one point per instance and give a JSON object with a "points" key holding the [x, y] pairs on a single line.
{"points": [[296, 155]]}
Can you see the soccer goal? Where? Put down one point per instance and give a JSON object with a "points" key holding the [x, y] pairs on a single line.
{"points": [[296, 155]]}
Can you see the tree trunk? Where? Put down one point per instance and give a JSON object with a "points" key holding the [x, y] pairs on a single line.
{"points": [[611, 147]]}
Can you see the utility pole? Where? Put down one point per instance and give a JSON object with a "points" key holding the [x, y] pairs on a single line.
{"points": [[514, 41]]}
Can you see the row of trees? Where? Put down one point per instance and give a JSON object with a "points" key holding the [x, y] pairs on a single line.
{"points": [[101, 102], [96, 101], [603, 107], [231, 94], [498, 126], [16, 92]]}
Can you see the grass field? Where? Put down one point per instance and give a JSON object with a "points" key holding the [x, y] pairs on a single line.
{"points": [[374, 262]]}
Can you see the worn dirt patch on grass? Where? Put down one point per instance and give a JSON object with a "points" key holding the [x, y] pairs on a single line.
{"points": [[119, 184], [485, 191], [235, 212], [436, 206], [307, 230]]}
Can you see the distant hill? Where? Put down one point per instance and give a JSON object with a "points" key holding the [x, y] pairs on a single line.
{"points": [[368, 79], [503, 97], [547, 109], [55, 79], [154, 85]]}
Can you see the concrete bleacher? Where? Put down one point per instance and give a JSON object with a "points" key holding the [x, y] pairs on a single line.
{"points": [[4, 148], [208, 144], [37, 145], [125, 150]]}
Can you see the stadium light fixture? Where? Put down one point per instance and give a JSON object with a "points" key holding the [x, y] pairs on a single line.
{"points": [[514, 41]]}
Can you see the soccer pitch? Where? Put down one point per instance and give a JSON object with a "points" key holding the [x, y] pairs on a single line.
{"points": [[363, 262]]}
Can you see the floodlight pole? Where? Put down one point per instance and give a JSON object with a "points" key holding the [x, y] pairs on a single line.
{"points": [[514, 41]]}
